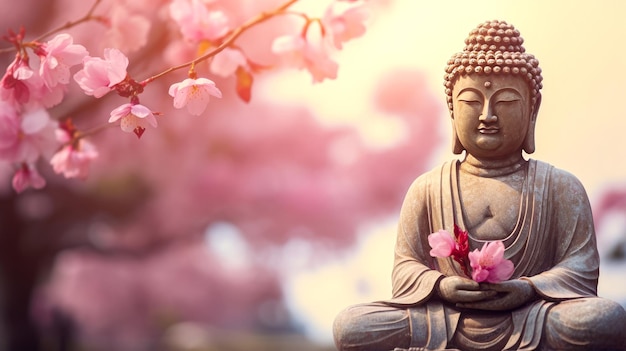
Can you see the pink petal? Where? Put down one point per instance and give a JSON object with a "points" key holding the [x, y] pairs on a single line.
{"points": [[489, 264], [226, 62], [480, 275], [197, 104], [181, 96], [118, 62], [287, 43], [494, 250], [500, 272], [441, 243], [27, 176], [173, 90], [474, 258], [140, 111], [60, 159], [34, 121], [151, 120], [129, 123], [120, 112]]}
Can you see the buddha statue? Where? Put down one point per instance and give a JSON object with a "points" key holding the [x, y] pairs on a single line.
{"points": [[541, 215]]}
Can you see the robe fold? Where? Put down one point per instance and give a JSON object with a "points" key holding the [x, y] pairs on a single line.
{"points": [[552, 246]]}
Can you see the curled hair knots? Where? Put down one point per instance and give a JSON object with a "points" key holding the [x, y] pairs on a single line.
{"points": [[494, 47]]}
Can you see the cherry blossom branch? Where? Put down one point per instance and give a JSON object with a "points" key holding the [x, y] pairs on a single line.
{"points": [[262, 17], [92, 131], [87, 17], [43, 85]]}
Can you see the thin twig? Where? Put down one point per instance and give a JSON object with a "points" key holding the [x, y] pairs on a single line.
{"points": [[262, 17], [87, 17]]}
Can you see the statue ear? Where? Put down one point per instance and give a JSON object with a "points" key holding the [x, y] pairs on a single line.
{"points": [[529, 141], [457, 147]]}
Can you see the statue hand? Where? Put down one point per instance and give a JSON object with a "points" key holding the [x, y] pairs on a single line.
{"points": [[455, 289], [509, 295]]}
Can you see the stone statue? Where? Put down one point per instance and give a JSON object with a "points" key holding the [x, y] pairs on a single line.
{"points": [[540, 213]]}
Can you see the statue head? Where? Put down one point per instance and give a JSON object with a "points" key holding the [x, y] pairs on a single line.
{"points": [[494, 49]]}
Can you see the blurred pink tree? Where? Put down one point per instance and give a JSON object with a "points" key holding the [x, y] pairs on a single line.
{"points": [[113, 244]]}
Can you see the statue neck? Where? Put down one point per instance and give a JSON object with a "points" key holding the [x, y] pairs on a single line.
{"points": [[493, 168]]}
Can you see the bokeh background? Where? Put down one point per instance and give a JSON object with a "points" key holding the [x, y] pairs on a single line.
{"points": [[252, 226]]}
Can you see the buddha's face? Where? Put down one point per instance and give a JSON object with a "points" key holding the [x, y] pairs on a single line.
{"points": [[492, 114]]}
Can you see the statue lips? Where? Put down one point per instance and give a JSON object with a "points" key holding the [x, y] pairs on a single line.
{"points": [[488, 130]]}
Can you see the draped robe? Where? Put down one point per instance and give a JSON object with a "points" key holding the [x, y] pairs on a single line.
{"points": [[552, 246]]}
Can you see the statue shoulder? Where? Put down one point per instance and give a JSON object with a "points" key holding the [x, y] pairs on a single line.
{"points": [[563, 183], [431, 178]]}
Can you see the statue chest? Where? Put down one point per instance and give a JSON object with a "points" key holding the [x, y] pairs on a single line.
{"points": [[491, 207]]}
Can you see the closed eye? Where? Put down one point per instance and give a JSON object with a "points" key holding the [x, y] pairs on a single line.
{"points": [[507, 102], [473, 103]]}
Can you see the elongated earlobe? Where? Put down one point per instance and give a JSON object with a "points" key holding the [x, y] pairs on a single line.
{"points": [[457, 147], [529, 141]]}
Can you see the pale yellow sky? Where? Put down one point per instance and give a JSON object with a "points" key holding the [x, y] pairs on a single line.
{"points": [[580, 47]]}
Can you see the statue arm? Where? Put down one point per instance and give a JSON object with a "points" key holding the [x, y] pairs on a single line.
{"points": [[574, 271], [414, 278]]}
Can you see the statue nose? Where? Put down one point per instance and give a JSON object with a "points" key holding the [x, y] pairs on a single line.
{"points": [[488, 117]]}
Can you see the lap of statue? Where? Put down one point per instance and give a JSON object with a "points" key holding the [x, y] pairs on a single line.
{"points": [[579, 324]]}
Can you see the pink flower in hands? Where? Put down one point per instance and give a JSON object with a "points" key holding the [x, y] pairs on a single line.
{"points": [[73, 159], [442, 243], [27, 176], [57, 56], [98, 75], [134, 118], [345, 25], [445, 245], [194, 93], [489, 263]]}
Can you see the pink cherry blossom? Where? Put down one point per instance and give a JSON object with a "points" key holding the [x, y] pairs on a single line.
{"points": [[225, 63], [296, 51], [73, 159], [197, 22], [290, 48], [489, 264], [27, 176], [194, 93], [344, 24], [25, 137], [14, 86], [57, 56], [42, 95], [441, 243], [134, 118], [47, 96], [9, 131], [128, 31], [99, 75]]}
